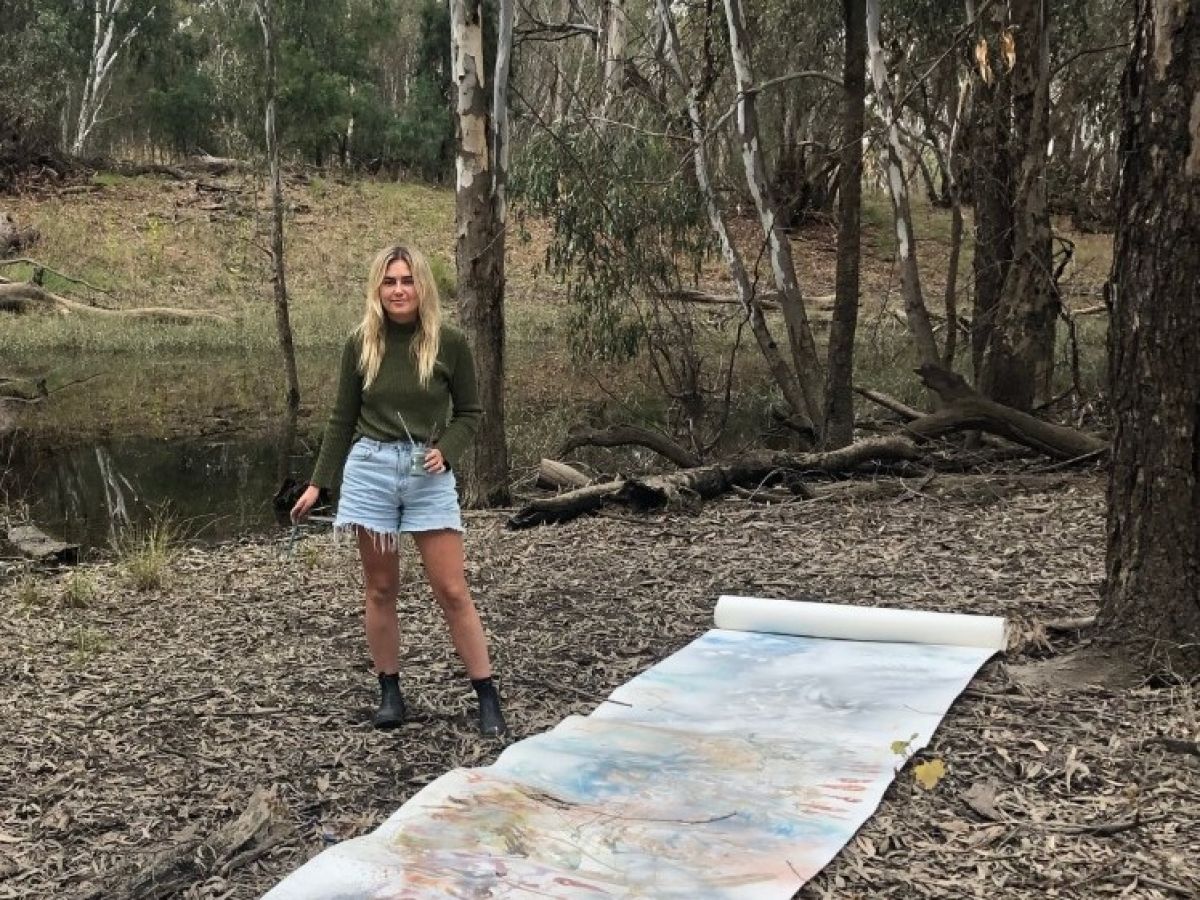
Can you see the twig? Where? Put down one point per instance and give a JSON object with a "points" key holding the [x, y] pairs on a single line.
{"points": [[134, 701], [1065, 463]]}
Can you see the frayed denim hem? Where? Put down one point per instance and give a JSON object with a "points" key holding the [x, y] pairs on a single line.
{"points": [[384, 541]]}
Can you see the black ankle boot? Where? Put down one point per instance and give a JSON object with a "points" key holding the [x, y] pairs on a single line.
{"points": [[391, 705], [491, 719]]}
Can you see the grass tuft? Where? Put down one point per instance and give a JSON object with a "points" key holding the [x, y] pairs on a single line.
{"points": [[79, 590], [147, 552]]}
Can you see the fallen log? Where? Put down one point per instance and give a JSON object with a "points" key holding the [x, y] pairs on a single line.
{"points": [[35, 544], [555, 475], [629, 435], [216, 165], [903, 410], [686, 488], [965, 410], [20, 297], [564, 507], [262, 825], [27, 390]]}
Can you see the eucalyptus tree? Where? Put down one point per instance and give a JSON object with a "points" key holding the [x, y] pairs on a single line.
{"points": [[906, 237], [1086, 50], [838, 425], [114, 25], [40, 52], [481, 214], [1018, 358], [265, 11], [1152, 589]]}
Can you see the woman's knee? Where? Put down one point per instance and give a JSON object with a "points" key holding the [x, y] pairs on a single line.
{"points": [[381, 591], [454, 597]]}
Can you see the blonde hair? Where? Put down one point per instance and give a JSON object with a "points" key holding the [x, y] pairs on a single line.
{"points": [[373, 328]]}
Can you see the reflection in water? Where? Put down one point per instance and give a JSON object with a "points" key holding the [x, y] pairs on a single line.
{"points": [[214, 489], [114, 497]]}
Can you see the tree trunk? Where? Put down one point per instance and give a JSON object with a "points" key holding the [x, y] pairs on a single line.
{"points": [[1152, 590], [991, 186], [906, 239], [1019, 358], [839, 384], [283, 325], [953, 191], [100, 65], [479, 246], [785, 379], [614, 55], [800, 338]]}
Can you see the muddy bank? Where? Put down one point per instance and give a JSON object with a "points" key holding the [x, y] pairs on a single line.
{"points": [[139, 715]]}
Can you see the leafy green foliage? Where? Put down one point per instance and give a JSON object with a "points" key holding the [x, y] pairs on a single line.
{"points": [[628, 227]]}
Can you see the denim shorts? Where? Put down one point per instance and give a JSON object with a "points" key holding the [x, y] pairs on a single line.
{"points": [[379, 492]]}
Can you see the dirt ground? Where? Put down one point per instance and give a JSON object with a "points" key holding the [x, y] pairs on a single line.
{"points": [[133, 717]]}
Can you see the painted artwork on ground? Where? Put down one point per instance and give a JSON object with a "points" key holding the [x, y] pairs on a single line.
{"points": [[735, 768]]}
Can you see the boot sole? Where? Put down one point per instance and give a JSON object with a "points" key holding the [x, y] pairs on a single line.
{"points": [[387, 724]]}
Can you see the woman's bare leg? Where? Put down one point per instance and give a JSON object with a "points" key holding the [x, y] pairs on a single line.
{"points": [[381, 585], [442, 554]]}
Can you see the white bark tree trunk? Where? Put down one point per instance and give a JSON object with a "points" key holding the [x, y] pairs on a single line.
{"points": [[784, 377], [804, 348], [480, 212], [100, 65], [906, 238], [614, 54], [283, 325]]}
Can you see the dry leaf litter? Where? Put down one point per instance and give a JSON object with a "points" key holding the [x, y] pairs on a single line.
{"points": [[140, 718]]}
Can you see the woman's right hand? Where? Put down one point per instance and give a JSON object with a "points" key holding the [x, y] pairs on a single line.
{"points": [[306, 502]]}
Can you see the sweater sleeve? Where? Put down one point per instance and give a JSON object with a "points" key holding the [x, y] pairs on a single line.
{"points": [[342, 420], [465, 412]]}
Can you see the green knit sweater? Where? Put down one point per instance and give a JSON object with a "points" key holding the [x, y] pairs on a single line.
{"points": [[445, 413]]}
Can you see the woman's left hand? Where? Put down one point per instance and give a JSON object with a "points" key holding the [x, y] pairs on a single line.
{"points": [[435, 463]]}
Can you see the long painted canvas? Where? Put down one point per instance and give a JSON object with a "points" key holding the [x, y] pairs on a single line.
{"points": [[735, 768]]}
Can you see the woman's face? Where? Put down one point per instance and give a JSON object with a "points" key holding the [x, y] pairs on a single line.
{"points": [[398, 293]]}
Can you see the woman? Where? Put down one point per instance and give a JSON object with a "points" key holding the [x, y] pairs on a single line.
{"points": [[402, 372]]}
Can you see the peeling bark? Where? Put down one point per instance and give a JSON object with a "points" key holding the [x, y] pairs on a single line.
{"points": [[783, 268], [480, 235]]}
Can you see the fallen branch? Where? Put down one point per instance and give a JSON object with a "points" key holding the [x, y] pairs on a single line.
{"points": [[20, 298], [556, 475], [27, 390], [966, 410], [688, 487], [1174, 745], [903, 410], [630, 435], [262, 825]]}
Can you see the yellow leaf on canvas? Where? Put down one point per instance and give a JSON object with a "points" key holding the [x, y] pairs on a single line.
{"points": [[928, 774]]}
